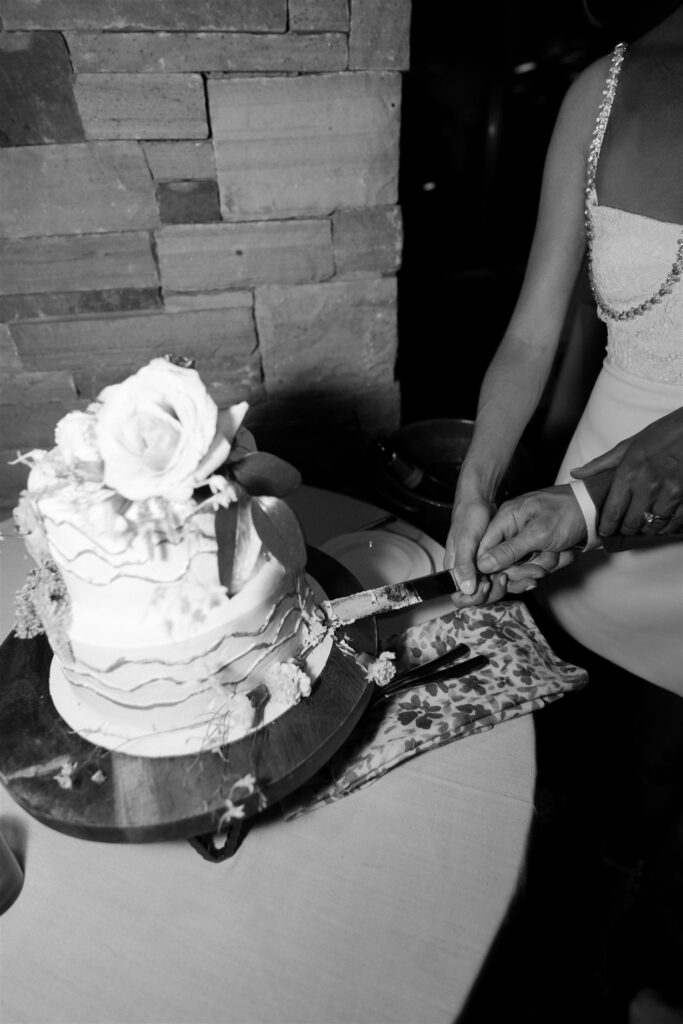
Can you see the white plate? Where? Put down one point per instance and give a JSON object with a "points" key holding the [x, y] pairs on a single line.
{"points": [[376, 557]]}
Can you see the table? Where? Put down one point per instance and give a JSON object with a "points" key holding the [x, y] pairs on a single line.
{"points": [[378, 908]]}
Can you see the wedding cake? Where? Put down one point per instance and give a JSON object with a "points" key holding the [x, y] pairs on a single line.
{"points": [[170, 573]]}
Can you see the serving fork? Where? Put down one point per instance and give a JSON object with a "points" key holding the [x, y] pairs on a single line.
{"points": [[446, 666]]}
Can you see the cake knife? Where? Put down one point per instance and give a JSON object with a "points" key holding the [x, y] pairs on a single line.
{"points": [[390, 597]]}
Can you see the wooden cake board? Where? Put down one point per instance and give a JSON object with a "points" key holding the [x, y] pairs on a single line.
{"points": [[89, 792]]}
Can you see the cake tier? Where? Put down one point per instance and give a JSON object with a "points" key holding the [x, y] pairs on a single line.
{"points": [[153, 645], [149, 587], [161, 688]]}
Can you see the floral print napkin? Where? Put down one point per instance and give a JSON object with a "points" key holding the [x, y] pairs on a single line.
{"points": [[523, 674]]}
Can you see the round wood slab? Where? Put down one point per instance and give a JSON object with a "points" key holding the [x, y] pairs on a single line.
{"points": [[86, 791]]}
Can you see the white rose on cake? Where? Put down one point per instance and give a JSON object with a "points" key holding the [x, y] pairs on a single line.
{"points": [[76, 438], [153, 430]]}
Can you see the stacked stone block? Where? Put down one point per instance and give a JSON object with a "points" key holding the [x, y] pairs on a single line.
{"points": [[214, 180]]}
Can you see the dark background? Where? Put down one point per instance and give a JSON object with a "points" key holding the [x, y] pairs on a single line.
{"points": [[479, 105]]}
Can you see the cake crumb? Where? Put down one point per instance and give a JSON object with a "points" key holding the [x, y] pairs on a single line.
{"points": [[381, 670]]}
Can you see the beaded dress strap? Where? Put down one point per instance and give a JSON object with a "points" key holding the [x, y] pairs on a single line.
{"points": [[675, 275], [608, 94]]}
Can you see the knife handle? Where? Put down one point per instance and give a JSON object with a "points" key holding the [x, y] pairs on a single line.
{"points": [[462, 668], [427, 668]]}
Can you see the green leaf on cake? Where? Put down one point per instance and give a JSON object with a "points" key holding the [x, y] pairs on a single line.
{"points": [[260, 473], [243, 444], [240, 549], [279, 529], [226, 528]]}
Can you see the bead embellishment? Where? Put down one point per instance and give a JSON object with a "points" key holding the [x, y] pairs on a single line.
{"points": [[676, 272]]}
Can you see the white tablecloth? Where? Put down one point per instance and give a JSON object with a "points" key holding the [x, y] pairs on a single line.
{"points": [[378, 908]]}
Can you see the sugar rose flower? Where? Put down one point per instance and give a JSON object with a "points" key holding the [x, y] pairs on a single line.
{"points": [[153, 430], [76, 438], [30, 527]]}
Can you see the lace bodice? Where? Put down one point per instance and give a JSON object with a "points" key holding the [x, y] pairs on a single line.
{"points": [[631, 257]]}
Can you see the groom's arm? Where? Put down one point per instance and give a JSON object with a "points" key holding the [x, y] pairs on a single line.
{"points": [[597, 488], [555, 519]]}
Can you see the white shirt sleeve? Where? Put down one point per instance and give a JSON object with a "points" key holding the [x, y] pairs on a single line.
{"points": [[589, 512]]}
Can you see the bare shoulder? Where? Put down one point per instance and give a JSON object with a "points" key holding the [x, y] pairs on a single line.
{"points": [[577, 115], [579, 110], [585, 94]]}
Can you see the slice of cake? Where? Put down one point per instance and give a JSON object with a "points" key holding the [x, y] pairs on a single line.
{"points": [[173, 595]]}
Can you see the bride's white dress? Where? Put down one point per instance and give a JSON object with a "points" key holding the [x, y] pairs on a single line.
{"points": [[628, 607]]}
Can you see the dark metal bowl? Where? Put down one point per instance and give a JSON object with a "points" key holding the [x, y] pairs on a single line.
{"points": [[438, 447]]}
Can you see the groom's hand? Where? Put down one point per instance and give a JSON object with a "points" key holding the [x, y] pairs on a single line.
{"points": [[648, 477], [541, 524]]}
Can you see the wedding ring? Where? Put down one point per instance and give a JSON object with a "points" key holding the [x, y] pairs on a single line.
{"points": [[649, 518]]}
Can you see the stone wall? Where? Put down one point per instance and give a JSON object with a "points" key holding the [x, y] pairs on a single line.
{"points": [[208, 179]]}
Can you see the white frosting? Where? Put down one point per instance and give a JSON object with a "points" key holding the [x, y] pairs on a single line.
{"points": [[149, 641], [129, 577], [154, 643]]}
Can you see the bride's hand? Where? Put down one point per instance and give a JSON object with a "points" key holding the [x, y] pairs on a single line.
{"points": [[469, 519], [527, 575]]}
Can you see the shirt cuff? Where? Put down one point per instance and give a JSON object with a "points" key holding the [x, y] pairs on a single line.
{"points": [[589, 512]]}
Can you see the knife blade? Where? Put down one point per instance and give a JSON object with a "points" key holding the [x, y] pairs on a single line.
{"points": [[390, 597]]}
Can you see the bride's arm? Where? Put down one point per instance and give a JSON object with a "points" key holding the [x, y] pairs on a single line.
{"points": [[517, 375]]}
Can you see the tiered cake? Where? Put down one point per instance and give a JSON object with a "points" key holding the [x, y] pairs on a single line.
{"points": [[170, 573]]}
